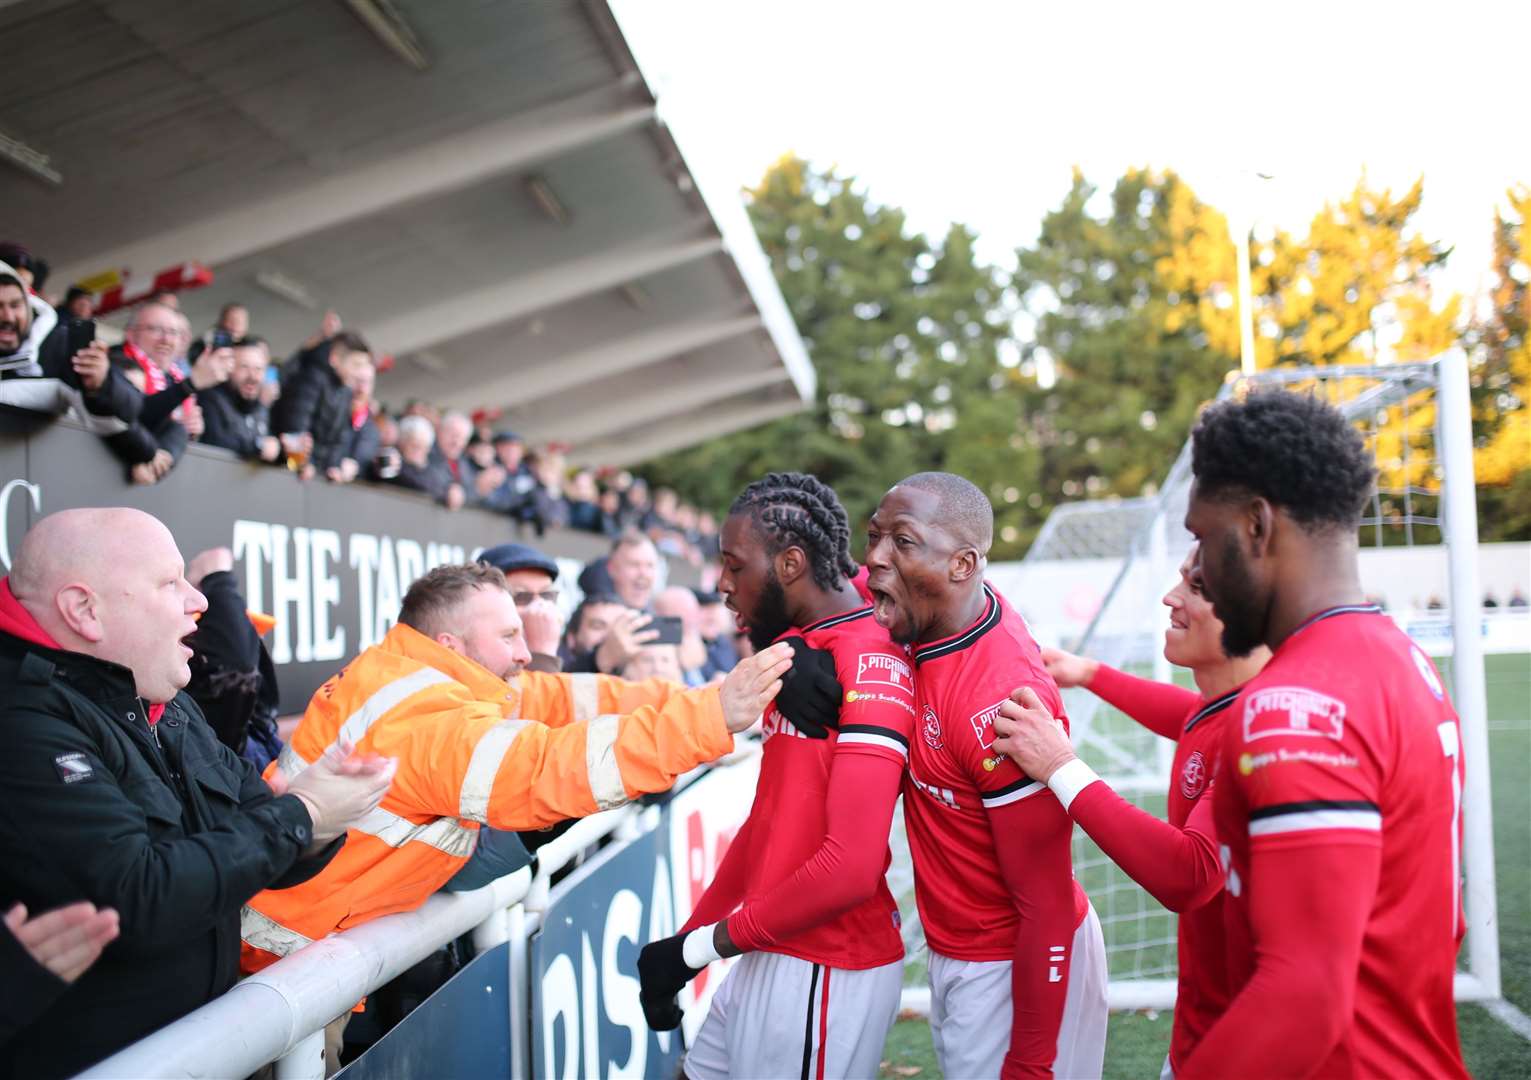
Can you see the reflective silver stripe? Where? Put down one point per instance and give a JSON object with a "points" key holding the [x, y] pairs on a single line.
{"points": [[1303, 821], [867, 738], [483, 767], [601, 762], [291, 762], [262, 932], [381, 701], [584, 697], [1017, 795], [443, 834]]}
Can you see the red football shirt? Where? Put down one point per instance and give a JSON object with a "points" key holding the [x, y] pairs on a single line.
{"points": [[783, 869], [1175, 861], [1338, 806]]}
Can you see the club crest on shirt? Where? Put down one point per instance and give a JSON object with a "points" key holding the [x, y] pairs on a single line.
{"points": [[930, 727], [1193, 777], [983, 724], [1293, 710], [884, 669], [1427, 672]]}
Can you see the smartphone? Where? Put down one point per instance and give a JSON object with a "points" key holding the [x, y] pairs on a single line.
{"points": [[81, 333], [221, 339], [669, 627]]}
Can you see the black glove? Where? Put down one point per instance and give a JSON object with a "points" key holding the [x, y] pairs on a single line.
{"points": [[662, 971], [810, 693]]}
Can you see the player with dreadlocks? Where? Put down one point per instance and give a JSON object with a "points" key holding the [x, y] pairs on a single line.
{"points": [[801, 890]]}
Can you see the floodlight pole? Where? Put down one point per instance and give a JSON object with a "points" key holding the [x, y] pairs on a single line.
{"points": [[1246, 296]]}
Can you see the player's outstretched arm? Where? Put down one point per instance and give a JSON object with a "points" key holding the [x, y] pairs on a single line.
{"points": [[1308, 918], [1160, 707], [1031, 842], [1180, 867]]}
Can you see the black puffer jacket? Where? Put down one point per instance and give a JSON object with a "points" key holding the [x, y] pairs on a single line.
{"points": [[165, 824], [316, 401]]}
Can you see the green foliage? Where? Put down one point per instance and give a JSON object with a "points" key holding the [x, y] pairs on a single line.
{"points": [[905, 336]]}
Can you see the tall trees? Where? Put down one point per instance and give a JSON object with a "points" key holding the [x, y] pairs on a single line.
{"points": [[1078, 375], [905, 334]]}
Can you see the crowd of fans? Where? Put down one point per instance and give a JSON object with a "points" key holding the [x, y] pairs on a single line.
{"points": [[317, 413]]}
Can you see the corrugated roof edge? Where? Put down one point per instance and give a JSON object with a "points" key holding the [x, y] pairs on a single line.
{"points": [[732, 222]]}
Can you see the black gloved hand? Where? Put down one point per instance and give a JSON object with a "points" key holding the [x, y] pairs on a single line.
{"points": [[810, 693], [662, 971]]}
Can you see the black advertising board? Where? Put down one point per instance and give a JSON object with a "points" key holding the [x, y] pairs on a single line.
{"points": [[330, 562]]}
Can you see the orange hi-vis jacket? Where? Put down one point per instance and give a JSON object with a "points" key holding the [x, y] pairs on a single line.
{"points": [[472, 750]]}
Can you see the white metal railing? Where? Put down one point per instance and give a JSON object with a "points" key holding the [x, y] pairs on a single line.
{"points": [[279, 1015]]}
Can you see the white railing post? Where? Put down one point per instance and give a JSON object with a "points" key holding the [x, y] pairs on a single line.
{"points": [[1459, 513], [305, 1061], [520, 1006]]}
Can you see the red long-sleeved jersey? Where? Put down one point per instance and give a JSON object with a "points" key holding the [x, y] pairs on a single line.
{"points": [[1175, 860], [1339, 813], [808, 866], [992, 870]]}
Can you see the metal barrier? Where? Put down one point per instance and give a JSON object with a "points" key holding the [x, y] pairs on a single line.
{"points": [[279, 1015]]}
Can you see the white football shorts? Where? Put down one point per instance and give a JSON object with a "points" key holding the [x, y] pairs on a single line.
{"points": [[970, 1012], [778, 1017]]}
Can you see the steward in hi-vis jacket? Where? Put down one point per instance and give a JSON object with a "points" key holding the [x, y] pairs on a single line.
{"points": [[474, 750]]}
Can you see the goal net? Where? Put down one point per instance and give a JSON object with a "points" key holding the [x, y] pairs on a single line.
{"points": [[1416, 419]]}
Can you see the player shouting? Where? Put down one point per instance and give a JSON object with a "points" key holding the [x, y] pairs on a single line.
{"points": [[1338, 802], [1177, 861], [801, 888], [1017, 961]]}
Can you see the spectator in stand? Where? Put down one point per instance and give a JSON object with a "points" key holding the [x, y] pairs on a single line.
{"points": [[655, 662], [78, 304], [582, 498], [233, 325], [167, 419], [610, 504], [118, 793], [634, 568], [362, 440], [588, 627], [1517, 599], [416, 470], [718, 628], [235, 417], [452, 435], [233, 680], [26, 267], [1490, 601], [317, 399], [532, 579], [514, 496], [34, 343], [680, 603]]}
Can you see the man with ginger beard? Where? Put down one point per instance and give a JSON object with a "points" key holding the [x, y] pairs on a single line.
{"points": [[119, 794]]}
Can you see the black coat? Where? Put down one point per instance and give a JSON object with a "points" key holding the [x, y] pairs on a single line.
{"points": [[155, 428], [166, 825], [27, 988], [316, 401], [233, 423]]}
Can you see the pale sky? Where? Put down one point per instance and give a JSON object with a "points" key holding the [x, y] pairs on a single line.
{"points": [[976, 112]]}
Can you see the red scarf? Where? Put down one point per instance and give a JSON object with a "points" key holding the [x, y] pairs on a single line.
{"points": [[359, 413], [18, 622], [154, 378]]}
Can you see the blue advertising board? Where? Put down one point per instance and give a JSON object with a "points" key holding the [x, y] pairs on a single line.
{"points": [[586, 1020]]}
